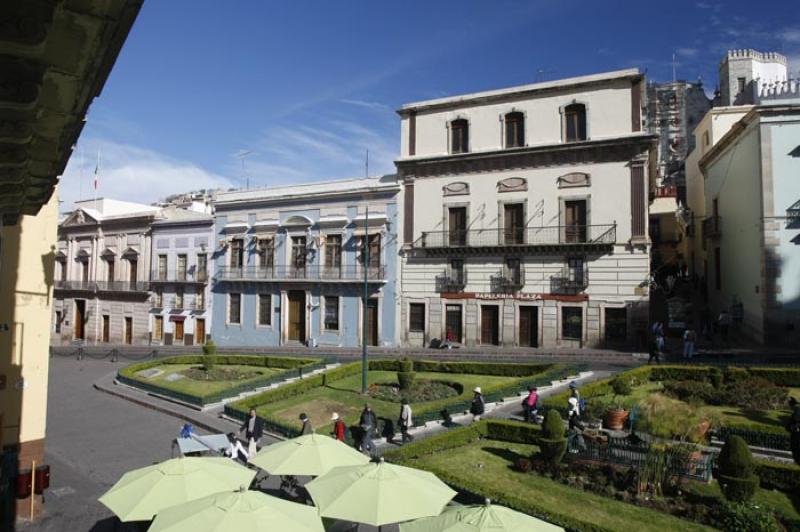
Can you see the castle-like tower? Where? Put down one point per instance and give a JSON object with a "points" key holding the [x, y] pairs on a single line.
{"points": [[741, 71]]}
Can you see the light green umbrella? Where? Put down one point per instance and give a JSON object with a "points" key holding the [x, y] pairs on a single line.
{"points": [[311, 455], [238, 511], [142, 493], [379, 493], [485, 518]]}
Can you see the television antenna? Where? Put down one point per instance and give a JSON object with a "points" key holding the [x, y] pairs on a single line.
{"points": [[242, 155]]}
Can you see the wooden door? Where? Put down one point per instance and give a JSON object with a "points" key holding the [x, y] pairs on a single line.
{"points": [[297, 316], [514, 223], [575, 221], [528, 327], [179, 331], [106, 327], [80, 319], [489, 325], [200, 331], [457, 226], [128, 330], [372, 322], [453, 323]]}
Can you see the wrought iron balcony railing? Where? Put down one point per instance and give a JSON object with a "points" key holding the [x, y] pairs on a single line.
{"points": [[508, 280], [712, 227], [178, 276], [531, 237], [186, 303], [103, 286], [451, 280], [311, 272], [571, 280]]}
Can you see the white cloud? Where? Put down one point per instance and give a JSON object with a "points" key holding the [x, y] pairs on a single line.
{"points": [[687, 52], [131, 173], [791, 35], [377, 106]]}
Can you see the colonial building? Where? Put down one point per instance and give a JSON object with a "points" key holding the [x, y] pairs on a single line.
{"points": [[183, 243], [102, 273], [525, 215], [292, 264]]}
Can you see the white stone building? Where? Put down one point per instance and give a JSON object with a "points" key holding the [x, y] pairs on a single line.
{"points": [[525, 215]]}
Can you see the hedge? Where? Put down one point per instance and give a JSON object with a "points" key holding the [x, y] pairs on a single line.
{"points": [[778, 476], [128, 375], [467, 368], [757, 434]]}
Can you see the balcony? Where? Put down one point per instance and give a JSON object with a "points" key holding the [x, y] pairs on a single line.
{"points": [[451, 280], [793, 215], [507, 280], [571, 280], [528, 239], [309, 273], [185, 303], [76, 286], [174, 277], [712, 227], [103, 286]]}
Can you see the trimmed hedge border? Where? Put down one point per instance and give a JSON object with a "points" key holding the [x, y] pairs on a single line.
{"points": [[778, 476], [546, 374], [293, 367]]}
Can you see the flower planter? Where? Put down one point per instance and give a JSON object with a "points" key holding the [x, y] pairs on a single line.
{"points": [[615, 418]]}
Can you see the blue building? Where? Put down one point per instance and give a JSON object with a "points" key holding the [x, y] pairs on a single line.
{"points": [[291, 264]]}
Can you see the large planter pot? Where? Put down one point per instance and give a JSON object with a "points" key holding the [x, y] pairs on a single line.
{"points": [[615, 418]]}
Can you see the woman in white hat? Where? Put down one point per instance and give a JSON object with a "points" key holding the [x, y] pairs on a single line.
{"points": [[478, 405], [338, 427]]}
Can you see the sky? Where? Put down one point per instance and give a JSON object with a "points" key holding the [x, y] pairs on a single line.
{"points": [[306, 88]]}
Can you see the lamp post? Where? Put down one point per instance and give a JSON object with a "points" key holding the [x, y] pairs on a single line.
{"points": [[366, 297]]}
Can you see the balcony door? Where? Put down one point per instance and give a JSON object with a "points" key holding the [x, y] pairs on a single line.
{"points": [[575, 221], [299, 257], [457, 226], [513, 223]]}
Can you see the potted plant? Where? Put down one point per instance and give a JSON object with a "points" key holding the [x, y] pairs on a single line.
{"points": [[616, 415]]}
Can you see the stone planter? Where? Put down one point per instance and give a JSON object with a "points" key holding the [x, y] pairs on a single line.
{"points": [[615, 418]]}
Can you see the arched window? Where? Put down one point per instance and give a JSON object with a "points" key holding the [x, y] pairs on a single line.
{"points": [[575, 122], [459, 136], [515, 129]]}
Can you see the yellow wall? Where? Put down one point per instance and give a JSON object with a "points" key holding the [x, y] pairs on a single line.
{"points": [[26, 289]]}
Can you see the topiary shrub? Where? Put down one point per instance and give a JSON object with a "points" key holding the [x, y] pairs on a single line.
{"points": [[553, 443], [209, 350], [737, 478], [406, 375]]}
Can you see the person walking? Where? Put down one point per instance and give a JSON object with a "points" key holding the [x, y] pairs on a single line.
{"points": [[658, 333], [654, 352], [405, 420], [530, 404], [478, 406], [236, 450], [575, 393], [338, 427], [253, 428], [689, 339], [306, 429], [368, 422], [575, 432]]}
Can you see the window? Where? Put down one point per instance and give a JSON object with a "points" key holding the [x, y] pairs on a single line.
{"points": [[235, 308], [706, 138], [333, 251], [514, 223], [459, 136], [200, 299], [575, 122], [162, 268], [181, 267], [416, 317], [133, 264], [264, 309], [331, 313], [299, 253], [58, 321], [575, 275], [717, 269], [158, 298], [85, 271], [63, 269], [572, 323], [374, 250], [202, 267], [265, 253], [457, 225], [457, 272], [237, 253], [110, 269], [514, 271], [178, 298], [741, 83], [575, 218], [515, 130]]}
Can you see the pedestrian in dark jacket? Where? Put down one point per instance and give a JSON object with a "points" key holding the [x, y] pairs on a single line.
{"points": [[369, 424], [478, 406], [307, 429], [253, 428]]}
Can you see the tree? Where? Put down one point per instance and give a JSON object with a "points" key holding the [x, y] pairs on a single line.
{"points": [[553, 443], [737, 478], [210, 352]]}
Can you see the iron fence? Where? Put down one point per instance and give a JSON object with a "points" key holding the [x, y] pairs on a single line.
{"points": [[311, 272], [559, 235]]}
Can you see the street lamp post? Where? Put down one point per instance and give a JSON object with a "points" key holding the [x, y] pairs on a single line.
{"points": [[366, 297]]}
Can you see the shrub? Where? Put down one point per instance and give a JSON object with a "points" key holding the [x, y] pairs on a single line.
{"points": [[405, 377], [742, 391], [746, 517], [621, 386], [209, 348], [778, 476], [406, 365], [513, 431], [552, 443], [439, 442], [736, 477]]}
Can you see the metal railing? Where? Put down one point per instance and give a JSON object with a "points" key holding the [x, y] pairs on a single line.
{"points": [[311, 272], [179, 276], [570, 280], [712, 227], [103, 286], [451, 280], [186, 303], [508, 280], [562, 235]]}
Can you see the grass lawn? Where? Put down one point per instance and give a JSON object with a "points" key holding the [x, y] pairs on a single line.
{"points": [[202, 388], [344, 397], [489, 463], [776, 500]]}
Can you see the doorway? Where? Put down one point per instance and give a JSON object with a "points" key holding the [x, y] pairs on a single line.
{"points": [[457, 226], [178, 331], [200, 331], [528, 327], [128, 330], [106, 327], [80, 319], [490, 325], [372, 322], [514, 223], [297, 316], [452, 323]]}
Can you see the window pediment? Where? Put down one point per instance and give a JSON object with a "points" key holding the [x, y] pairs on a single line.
{"points": [[459, 188], [512, 184], [574, 179]]}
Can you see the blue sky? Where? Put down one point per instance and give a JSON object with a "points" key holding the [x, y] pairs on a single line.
{"points": [[308, 86]]}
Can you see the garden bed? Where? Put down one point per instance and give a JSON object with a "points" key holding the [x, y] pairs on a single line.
{"points": [[188, 379]]}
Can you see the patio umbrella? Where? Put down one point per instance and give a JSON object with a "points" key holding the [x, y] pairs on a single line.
{"points": [[485, 518], [142, 493], [238, 511], [379, 494], [310, 455]]}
